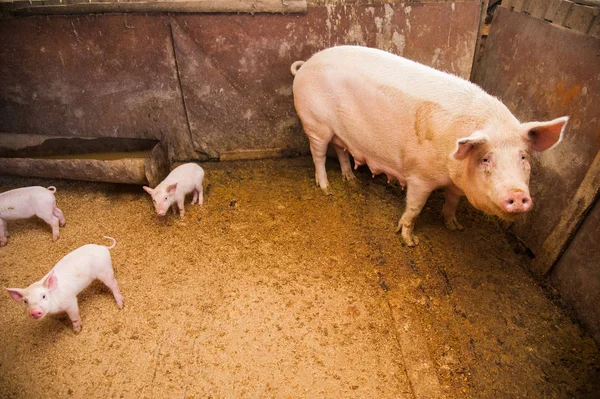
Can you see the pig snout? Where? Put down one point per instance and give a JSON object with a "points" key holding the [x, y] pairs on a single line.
{"points": [[517, 201], [36, 314]]}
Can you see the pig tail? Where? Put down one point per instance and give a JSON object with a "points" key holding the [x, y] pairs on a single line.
{"points": [[295, 67], [114, 242], [51, 189]]}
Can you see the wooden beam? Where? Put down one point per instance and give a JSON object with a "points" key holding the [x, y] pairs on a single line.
{"points": [[588, 2], [175, 6], [571, 219]]}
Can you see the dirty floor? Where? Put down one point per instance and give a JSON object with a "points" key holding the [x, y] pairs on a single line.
{"points": [[272, 289]]}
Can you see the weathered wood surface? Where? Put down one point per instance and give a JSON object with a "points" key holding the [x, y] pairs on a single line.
{"points": [[571, 219], [129, 170], [579, 15], [179, 6], [156, 165]]}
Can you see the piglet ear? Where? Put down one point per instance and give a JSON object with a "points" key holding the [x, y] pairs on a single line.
{"points": [[171, 189], [148, 190], [544, 135], [465, 145], [16, 294], [51, 282]]}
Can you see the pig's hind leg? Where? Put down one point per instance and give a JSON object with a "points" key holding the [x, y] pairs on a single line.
{"points": [[108, 278], [318, 149], [3, 233], [53, 221], [198, 197], [61, 218], [345, 164]]}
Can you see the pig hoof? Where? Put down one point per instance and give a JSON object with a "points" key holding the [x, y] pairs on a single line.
{"points": [[453, 224], [327, 191], [349, 177], [2, 243], [410, 239], [77, 328], [63, 224], [54, 238], [120, 303]]}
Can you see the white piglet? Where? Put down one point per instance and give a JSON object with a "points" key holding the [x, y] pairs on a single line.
{"points": [[183, 180], [57, 291], [26, 202]]}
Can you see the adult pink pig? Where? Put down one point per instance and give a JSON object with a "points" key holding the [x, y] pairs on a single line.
{"points": [[426, 128], [26, 202]]}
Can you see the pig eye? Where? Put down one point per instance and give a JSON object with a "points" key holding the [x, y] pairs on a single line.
{"points": [[25, 301], [523, 157], [166, 198], [43, 296], [485, 160]]}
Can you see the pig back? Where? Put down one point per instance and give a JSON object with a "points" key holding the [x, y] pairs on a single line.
{"points": [[25, 202], [76, 270], [400, 117]]}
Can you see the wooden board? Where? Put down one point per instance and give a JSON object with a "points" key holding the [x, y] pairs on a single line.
{"points": [[570, 220], [179, 6], [581, 16]]}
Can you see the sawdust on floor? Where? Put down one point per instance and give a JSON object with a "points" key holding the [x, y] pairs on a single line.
{"points": [[272, 289]]}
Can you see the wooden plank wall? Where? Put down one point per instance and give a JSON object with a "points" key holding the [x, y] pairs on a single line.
{"points": [[579, 15]]}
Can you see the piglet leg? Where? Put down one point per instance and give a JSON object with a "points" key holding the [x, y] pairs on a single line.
{"points": [[3, 233], [111, 282], [61, 218], [73, 313], [181, 207]]}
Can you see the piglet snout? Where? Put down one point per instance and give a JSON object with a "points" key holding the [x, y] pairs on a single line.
{"points": [[517, 202], [36, 314]]}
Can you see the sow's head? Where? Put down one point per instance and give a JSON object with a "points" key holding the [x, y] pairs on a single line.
{"points": [[496, 164]]}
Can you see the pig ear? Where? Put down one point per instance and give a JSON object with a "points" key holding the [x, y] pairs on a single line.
{"points": [[171, 189], [148, 190], [544, 135], [16, 294], [51, 282], [466, 144]]}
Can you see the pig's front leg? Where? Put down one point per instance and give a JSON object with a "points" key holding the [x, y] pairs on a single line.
{"points": [[3, 233], [449, 209], [73, 313], [415, 200], [180, 204]]}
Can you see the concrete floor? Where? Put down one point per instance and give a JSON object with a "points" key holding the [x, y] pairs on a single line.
{"points": [[272, 289]]}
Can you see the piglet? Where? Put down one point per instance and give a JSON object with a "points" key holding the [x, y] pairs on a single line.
{"points": [[26, 202], [183, 180], [57, 291]]}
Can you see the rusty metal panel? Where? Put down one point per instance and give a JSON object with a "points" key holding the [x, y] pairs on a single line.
{"points": [[235, 74], [540, 72], [99, 76]]}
